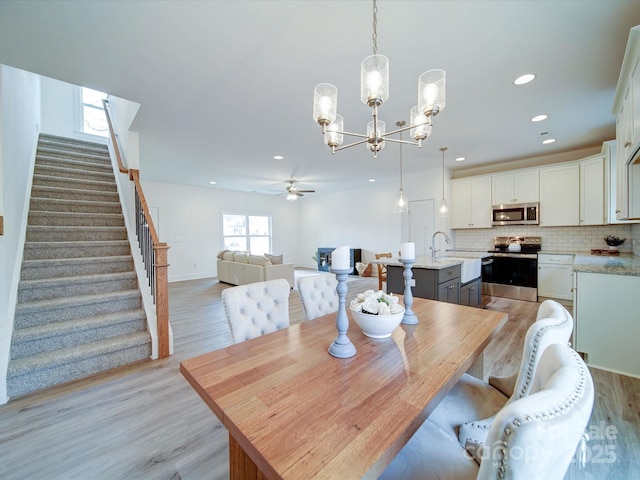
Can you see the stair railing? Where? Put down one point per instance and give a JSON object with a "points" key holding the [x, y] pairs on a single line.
{"points": [[153, 252]]}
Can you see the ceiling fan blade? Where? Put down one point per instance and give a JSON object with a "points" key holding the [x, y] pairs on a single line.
{"points": [[307, 191]]}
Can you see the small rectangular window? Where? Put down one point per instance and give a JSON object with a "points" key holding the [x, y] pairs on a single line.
{"points": [[94, 121], [250, 233]]}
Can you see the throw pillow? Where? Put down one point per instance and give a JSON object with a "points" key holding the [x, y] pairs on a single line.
{"points": [[228, 255], [258, 260], [275, 259], [241, 257], [221, 253]]}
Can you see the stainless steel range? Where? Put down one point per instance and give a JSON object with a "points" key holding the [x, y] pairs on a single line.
{"points": [[512, 271]]}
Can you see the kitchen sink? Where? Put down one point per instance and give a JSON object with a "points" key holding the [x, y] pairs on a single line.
{"points": [[470, 269]]}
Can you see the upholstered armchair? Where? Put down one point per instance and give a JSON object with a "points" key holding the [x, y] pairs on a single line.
{"points": [[318, 294], [533, 437], [468, 409], [257, 308]]}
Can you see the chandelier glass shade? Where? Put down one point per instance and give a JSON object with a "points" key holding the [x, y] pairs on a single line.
{"points": [[374, 91]]}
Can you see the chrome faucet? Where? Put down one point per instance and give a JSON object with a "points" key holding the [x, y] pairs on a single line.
{"points": [[433, 243]]}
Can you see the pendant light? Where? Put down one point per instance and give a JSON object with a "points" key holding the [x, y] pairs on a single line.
{"points": [[444, 210], [402, 206]]}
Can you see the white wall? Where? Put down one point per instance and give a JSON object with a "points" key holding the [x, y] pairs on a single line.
{"points": [[19, 122], [123, 112], [189, 220], [58, 103]]}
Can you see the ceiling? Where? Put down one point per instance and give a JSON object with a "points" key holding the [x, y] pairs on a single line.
{"points": [[226, 85]]}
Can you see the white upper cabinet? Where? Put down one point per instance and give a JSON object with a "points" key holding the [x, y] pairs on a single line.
{"points": [[593, 205], [471, 202], [516, 187], [626, 107], [560, 195]]}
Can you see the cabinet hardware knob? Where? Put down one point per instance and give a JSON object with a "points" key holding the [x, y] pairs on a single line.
{"points": [[618, 211], [627, 144]]}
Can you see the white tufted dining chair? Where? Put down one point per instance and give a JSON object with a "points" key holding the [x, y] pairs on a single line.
{"points": [[468, 409], [318, 294], [534, 437], [257, 308]]}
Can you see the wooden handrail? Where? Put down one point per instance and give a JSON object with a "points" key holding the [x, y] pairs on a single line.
{"points": [[134, 176], [114, 138], [156, 263]]}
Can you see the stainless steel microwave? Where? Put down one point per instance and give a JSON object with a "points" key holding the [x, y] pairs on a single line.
{"points": [[516, 214]]}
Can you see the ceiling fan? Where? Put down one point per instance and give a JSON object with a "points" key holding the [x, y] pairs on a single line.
{"points": [[293, 193]]}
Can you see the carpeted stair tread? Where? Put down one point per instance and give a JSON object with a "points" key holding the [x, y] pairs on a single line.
{"points": [[103, 248], [74, 183], [44, 191], [65, 303], [80, 164], [68, 233], [44, 170], [53, 336], [78, 324], [49, 360], [53, 218], [66, 267], [80, 285], [71, 205]]}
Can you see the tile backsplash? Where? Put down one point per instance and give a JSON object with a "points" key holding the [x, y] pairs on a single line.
{"points": [[555, 239]]}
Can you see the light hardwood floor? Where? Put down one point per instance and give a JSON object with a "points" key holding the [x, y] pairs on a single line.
{"points": [[146, 422]]}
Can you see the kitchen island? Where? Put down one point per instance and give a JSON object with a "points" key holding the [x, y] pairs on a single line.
{"points": [[452, 279]]}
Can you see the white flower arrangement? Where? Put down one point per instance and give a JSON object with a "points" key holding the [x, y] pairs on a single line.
{"points": [[376, 303]]}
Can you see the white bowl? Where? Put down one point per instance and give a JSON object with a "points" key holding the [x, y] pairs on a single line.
{"points": [[377, 326]]}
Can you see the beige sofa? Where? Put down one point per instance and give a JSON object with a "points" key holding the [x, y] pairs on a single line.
{"points": [[239, 268]]}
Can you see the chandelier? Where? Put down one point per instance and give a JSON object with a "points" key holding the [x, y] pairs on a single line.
{"points": [[374, 91]]}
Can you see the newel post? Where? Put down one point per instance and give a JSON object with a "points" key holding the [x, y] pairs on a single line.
{"points": [[162, 298]]}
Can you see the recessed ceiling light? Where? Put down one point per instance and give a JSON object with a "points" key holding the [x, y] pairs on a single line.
{"points": [[278, 157], [372, 180], [548, 140], [460, 159], [522, 79], [539, 118], [212, 183]]}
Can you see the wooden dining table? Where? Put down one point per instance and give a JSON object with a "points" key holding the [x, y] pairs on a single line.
{"points": [[293, 411]]}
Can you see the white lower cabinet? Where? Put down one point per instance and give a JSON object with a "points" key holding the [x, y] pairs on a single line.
{"points": [[555, 278], [607, 325]]}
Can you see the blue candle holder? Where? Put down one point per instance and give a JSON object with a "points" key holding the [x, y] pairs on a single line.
{"points": [[342, 346], [409, 317]]}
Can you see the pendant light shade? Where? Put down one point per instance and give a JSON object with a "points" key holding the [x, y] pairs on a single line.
{"points": [[444, 209], [402, 205]]}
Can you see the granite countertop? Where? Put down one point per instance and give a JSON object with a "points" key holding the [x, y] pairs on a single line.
{"points": [[624, 264], [450, 258]]}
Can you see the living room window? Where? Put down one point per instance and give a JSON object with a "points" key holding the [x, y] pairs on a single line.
{"points": [[250, 233], [90, 114]]}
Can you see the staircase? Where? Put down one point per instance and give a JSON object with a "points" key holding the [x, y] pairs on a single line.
{"points": [[79, 308]]}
